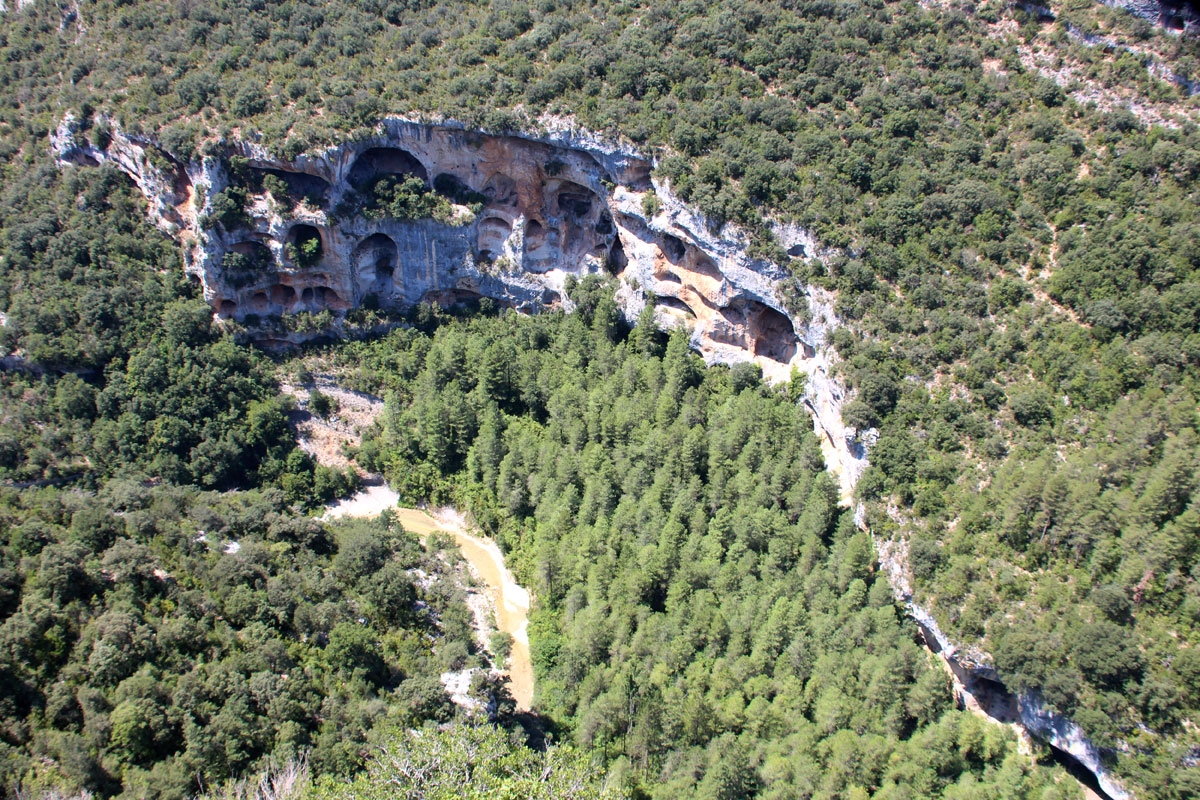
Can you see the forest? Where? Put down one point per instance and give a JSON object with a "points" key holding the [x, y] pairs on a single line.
{"points": [[709, 621], [1015, 266]]}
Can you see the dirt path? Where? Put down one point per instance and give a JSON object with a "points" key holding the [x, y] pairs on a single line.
{"points": [[509, 600]]}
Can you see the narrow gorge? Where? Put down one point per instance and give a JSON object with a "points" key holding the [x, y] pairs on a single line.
{"points": [[517, 216]]}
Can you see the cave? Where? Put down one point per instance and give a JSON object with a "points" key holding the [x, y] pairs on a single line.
{"points": [[760, 329], [638, 177], [303, 247], [571, 200], [259, 302], [617, 260], [301, 185], [227, 308], [445, 298], [247, 262], [501, 190], [492, 234], [666, 301], [252, 249], [605, 226], [81, 159], [385, 161], [451, 186], [282, 295], [328, 298], [536, 238], [375, 260], [673, 248], [704, 265], [797, 251], [577, 204], [666, 276], [773, 334]]}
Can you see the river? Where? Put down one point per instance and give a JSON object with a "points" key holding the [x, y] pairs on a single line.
{"points": [[510, 600]]}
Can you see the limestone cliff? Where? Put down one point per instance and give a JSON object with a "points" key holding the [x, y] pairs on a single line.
{"points": [[1176, 15], [541, 208]]}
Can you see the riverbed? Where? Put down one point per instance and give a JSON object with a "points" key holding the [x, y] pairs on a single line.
{"points": [[509, 600]]}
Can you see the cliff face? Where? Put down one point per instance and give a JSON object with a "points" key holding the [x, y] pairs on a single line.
{"points": [[544, 208], [1176, 15]]}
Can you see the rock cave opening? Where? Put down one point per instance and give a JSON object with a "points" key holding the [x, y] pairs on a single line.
{"points": [[282, 295], [501, 190], [760, 329], [574, 201], [772, 332], [705, 266], [227, 308], [375, 260], [324, 297], [456, 189], [675, 304], [303, 246], [81, 159], [446, 298], [673, 248], [492, 234], [604, 226], [637, 176], [617, 260], [666, 276], [536, 239], [301, 185], [247, 262], [385, 161]]}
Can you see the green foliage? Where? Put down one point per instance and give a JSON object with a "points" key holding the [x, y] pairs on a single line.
{"points": [[322, 404], [907, 133], [707, 619], [399, 197], [161, 659], [473, 762]]}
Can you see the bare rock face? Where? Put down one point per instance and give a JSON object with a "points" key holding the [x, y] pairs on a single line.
{"points": [[1177, 15], [530, 211]]}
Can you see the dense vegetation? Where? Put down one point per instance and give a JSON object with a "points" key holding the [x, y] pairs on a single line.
{"points": [[469, 762], [1019, 272], [707, 618], [159, 640], [118, 368], [157, 637]]}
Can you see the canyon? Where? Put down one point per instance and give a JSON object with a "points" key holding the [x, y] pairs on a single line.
{"points": [[527, 213]]}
